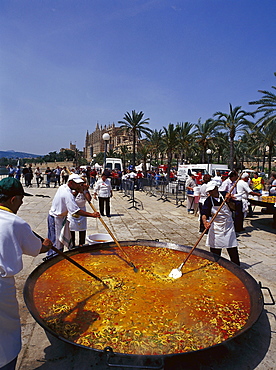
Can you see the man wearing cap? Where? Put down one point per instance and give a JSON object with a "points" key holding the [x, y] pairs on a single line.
{"points": [[16, 239], [64, 202], [221, 231], [241, 196]]}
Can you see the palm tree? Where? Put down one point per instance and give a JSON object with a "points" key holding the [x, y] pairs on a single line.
{"points": [[221, 151], [204, 134], [267, 122], [112, 154], [233, 122], [124, 152], [171, 141], [185, 139], [267, 105], [135, 124], [155, 144], [143, 151], [266, 139]]}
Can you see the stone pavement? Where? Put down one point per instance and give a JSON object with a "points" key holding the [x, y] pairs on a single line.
{"points": [[162, 220]]}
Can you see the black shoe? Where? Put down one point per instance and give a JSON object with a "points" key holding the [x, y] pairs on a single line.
{"points": [[47, 258], [108, 215], [73, 247]]}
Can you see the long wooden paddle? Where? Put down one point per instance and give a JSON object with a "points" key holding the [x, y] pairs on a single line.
{"points": [[177, 273], [72, 261], [115, 240]]}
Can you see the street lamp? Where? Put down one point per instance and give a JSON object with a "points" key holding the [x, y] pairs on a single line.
{"points": [[208, 152], [106, 138]]}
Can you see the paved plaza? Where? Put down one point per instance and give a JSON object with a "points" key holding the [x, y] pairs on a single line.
{"points": [[153, 218]]}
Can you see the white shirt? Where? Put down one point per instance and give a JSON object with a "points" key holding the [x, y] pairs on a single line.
{"points": [[63, 202], [243, 190], [103, 188], [16, 239], [203, 194], [132, 175], [227, 185]]}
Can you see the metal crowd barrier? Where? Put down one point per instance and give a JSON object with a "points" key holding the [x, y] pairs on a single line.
{"points": [[128, 190], [164, 190], [148, 185], [180, 194]]}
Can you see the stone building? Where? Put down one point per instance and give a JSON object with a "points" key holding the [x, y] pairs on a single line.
{"points": [[94, 143]]}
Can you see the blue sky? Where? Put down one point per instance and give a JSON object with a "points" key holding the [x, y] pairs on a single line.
{"points": [[66, 65]]}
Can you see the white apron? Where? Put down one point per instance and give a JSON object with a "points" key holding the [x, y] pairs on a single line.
{"points": [[10, 329], [222, 232], [78, 223]]}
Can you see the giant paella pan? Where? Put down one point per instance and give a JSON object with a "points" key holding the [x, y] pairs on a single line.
{"points": [[145, 312]]}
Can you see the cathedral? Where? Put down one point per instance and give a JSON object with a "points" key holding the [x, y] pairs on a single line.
{"points": [[94, 143]]}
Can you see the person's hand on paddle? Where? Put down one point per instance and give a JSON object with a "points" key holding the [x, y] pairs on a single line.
{"points": [[205, 222], [96, 215], [46, 245]]}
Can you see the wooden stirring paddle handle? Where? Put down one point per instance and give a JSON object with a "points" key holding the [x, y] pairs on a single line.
{"points": [[73, 261], [113, 237]]}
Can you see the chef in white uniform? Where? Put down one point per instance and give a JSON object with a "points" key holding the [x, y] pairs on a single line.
{"points": [[221, 231], [16, 239]]}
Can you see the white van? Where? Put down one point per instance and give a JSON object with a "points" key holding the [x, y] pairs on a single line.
{"points": [[185, 169], [114, 163], [222, 168]]}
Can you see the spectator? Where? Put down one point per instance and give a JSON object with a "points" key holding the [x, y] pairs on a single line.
{"points": [[11, 170], [57, 172], [190, 184], [93, 177], [28, 176], [48, 174], [139, 180], [103, 190], [38, 176], [198, 178], [24, 172], [18, 173], [65, 175]]}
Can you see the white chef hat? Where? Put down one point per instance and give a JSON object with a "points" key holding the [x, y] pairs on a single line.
{"points": [[211, 185], [244, 175]]}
